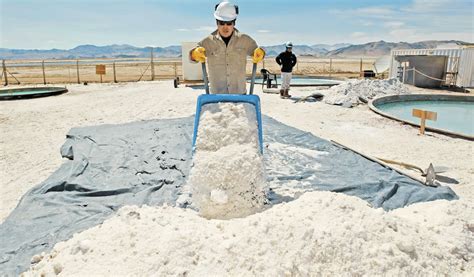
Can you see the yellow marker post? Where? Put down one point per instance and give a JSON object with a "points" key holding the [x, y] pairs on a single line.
{"points": [[424, 115], [100, 70]]}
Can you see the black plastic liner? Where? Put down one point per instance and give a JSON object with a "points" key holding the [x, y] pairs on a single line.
{"points": [[147, 162]]}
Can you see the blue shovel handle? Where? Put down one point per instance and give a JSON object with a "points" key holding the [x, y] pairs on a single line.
{"points": [[252, 82], [204, 76]]}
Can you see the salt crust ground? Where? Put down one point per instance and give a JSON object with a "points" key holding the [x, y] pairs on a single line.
{"points": [[320, 233], [32, 132]]}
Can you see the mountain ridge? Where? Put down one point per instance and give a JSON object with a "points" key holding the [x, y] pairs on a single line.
{"points": [[370, 49]]}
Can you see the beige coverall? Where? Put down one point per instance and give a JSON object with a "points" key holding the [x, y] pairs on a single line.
{"points": [[226, 64]]}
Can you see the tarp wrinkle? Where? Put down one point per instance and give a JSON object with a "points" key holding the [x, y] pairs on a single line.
{"points": [[147, 162]]}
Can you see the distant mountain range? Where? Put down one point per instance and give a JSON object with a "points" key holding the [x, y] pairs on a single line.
{"points": [[381, 48], [91, 51], [371, 49]]}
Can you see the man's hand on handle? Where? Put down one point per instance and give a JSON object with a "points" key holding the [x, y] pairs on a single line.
{"points": [[198, 54], [258, 55]]}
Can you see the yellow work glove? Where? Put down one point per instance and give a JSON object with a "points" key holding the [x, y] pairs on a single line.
{"points": [[258, 55], [198, 54]]}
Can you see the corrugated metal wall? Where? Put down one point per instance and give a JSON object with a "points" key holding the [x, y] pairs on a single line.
{"points": [[466, 75], [460, 59]]}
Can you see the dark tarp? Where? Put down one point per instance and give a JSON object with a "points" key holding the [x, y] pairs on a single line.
{"points": [[147, 163]]}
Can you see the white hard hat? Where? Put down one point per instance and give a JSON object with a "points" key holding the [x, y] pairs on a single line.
{"points": [[226, 11], [289, 44]]}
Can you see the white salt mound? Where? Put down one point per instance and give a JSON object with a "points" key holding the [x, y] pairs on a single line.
{"points": [[354, 92], [227, 178], [321, 233]]}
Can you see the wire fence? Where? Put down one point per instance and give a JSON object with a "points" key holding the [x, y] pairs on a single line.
{"points": [[133, 70]]}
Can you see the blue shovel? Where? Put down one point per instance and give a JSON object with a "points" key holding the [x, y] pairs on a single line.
{"points": [[207, 98]]}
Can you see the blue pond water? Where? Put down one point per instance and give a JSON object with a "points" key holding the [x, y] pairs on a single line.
{"points": [[454, 116]]}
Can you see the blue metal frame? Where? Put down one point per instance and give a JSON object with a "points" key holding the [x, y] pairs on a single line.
{"points": [[204, 99]]}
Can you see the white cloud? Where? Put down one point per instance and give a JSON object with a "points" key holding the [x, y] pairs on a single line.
{"points": [[374, 11], [414, 21], [429, 5], [365, 11], [263, 31], [415, 35], [443, 8], [199, 29], [358, 35], [205, 28], [394, 24], [401, 34]]}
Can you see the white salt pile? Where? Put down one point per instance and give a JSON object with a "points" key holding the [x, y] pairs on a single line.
{"points": [[321, 233], [354, 92], [227, 178]]}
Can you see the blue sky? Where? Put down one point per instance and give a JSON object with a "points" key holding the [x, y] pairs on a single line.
{"points": [[64, 24]]}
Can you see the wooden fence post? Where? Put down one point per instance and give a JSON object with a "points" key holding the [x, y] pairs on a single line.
{"points": [[152, 66], [5, 73], [77, 66], [330, 67], [44, 74], [361, 74], [115, 76], [175, 69]]}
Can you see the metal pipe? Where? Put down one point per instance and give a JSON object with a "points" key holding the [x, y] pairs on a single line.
{"points": [[252, 82], [204, 76], [403, 74], [414, 74]]}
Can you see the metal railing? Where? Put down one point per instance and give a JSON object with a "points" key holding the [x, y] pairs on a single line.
{"points": [[446, 80]]}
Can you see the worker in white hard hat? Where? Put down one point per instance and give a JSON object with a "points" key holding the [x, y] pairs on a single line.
{"points": [[286, 60], [226, 51]]}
